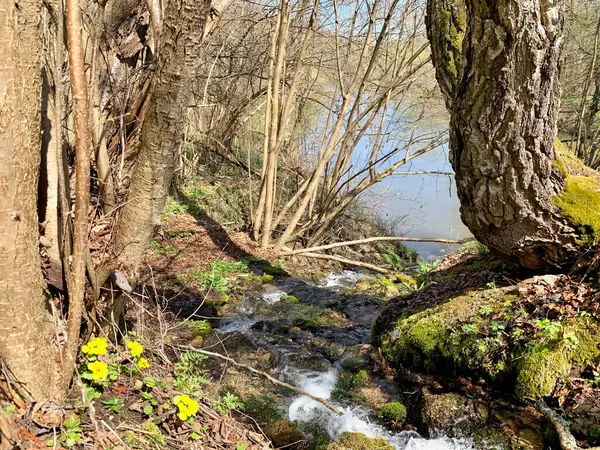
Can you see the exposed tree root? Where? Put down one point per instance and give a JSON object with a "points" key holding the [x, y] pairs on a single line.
{"points": [[258, 372], [566, 439]]}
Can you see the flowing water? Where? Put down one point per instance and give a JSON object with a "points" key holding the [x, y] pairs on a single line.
{"points": [[262, 313]]}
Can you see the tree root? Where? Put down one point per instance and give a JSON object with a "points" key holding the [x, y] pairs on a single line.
{"points": [[258, 372], [566, 439]]}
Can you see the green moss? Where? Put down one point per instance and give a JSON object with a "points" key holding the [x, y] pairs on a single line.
{"points": [[580, 197], [580, 202], [275, 271], [283, 433], [358, 441], [266, 278], [539, 370], [289, 298], [393, 412], [544, 364], [305, 323], [458, 336]]}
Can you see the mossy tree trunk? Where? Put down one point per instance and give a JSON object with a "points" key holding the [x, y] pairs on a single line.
{"points": [[497, 63]]}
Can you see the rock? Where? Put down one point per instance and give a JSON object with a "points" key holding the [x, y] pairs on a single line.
{"points": [[481, 334], [450, 411], [283, 433], [394, 412], [358, 441]]}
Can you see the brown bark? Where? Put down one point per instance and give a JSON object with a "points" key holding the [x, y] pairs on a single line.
{"points": [[26, 327], [503, 125], [162, 131], [84, 149]]}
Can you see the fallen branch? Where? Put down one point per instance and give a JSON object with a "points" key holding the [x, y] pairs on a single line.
{"points": [[258, 372], [374, 239], [350, 262], [566, 439]]}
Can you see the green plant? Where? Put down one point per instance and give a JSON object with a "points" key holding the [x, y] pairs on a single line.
{"points": [[241, 447], [9, 410], [486, 310], [596, 378], [71, 433], [190, 379], [496, 327], [393, 259], [115, 404], [522, 312], [470, 328], [217, 277], [548, 327], [227, 402], [201, 327]]}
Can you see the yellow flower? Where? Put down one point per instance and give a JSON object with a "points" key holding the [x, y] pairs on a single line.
{"points": [[96, 346], [99, 370], [143, 363], [186, 406], [135, 348]]}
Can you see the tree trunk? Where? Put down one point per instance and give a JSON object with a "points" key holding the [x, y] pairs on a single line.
{"points": [[26, 327], [503, 125], [162, 131]]}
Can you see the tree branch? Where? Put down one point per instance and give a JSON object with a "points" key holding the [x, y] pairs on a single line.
{"points": [[375, 239], [262, 374]]}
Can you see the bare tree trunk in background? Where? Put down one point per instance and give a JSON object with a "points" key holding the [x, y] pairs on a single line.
{"points": [[178, 58], [503, 102], [84, 150], [26, 327]]}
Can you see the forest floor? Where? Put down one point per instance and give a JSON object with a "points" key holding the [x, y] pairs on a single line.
{"points": [[159, 392]]}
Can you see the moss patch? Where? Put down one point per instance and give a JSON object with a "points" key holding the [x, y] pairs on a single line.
{"points": [[580, 198], [393, 412], [488, 334], [580, 202]]}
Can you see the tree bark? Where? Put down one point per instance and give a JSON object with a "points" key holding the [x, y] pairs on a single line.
{"points": [[503, 125], [162, 131], [26, 327]]}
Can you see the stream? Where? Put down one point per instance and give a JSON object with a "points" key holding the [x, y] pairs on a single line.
{"points": [[312, 358]]}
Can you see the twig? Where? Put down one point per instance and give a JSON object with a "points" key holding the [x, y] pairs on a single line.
{"points": [[289, 252], [566, 439], [258, 372]]}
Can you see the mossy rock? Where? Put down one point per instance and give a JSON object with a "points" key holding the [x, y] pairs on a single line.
{"points": [[542, 365], [305, 323], [447, 411], [393, 412], [266, 278], [283, 433], [358, 441], [289, 298], [466, 335], [263, 409], [275, 271]]}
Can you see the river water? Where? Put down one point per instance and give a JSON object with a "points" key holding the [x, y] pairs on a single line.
{"points": [[424, 205], [261, 316]]}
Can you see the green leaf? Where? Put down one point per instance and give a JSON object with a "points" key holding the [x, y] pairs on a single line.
{"points": [[148, 409], [195, 436]]}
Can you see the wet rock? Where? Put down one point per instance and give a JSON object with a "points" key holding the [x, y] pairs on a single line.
{"points": [[358, 441], [449, 411]]}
